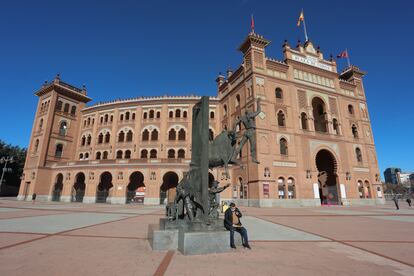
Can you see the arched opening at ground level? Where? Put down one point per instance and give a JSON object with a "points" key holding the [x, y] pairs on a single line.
{"points": [[167, 189], [104, 187], [57, 188], [78, 191], [135, 192], [327, 177]]}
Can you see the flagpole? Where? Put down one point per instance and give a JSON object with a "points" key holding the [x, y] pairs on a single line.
{"points": [[347, 57], [304, 27]]}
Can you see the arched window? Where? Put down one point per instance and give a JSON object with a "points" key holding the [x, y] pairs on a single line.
{"points": [[81, 156], [181, 153], [144, 154], [127, 116], [36, 145], [304, 120], [133, 116], [101, 119], [41, 124], [119, 154], [105, 155], [153, 153], [361, 191], [319, 115], [177, 113], [170, 114], [211, 114], [107, 137], [237, 102], [283, 146], [351, 109], [106, 118], [171, 153], [281, 187], [172, 134], [129, 136], [66, 108], [145, 135], [335, 126], [151, 114], [154, 135], [358, 155], [98, 155], [59, 150], [121, 136], [127, 154], [89, 140], [89, 121], [83, 140], [278, 93], [291, 188], [354, 131], [184, 114], [145, 115], [73, 110], [62, 128], [367, 189], [158, 114], [86, 156], [225, 110], [59, 105], [281, 118], [121, 117], [181, 135], [100, 138], [210, 135]]}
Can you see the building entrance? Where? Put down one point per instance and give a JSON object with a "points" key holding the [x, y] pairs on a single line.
{"points": [[327, 177]]}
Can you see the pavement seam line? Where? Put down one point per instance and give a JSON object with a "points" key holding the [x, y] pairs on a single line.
{"points": [[163, 266]]}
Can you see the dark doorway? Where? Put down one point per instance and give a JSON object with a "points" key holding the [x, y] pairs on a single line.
{"points": [[167, 189], [79, 188], [104, 187], [135, 192], [57, 188], [327, 177], [319, 115]]}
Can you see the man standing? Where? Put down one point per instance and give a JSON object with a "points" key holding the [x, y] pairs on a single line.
{"points": [[395, 199], [232, 223]]}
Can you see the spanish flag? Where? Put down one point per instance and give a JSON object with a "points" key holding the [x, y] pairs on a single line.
{"points": [[301, 18]]}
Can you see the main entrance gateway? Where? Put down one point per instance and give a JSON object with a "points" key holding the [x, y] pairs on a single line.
{"points": [[135, 191], [167, 189], [79, 188], [104, 187], [327, 177]]}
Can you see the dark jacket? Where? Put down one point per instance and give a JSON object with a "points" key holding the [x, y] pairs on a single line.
{"points": [[228, 218]]}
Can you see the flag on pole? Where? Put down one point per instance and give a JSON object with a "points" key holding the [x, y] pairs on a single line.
{"points": [[301, 18], [343, 54], [252, 23]]}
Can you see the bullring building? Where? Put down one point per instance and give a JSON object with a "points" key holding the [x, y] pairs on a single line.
{"points": [[314, 137]]}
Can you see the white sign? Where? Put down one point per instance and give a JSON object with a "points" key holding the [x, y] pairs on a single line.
{"points": [[343, 193], [316, 190], [312, 61]]}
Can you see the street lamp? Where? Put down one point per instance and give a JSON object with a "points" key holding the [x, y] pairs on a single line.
{"points": [[5, 161]]}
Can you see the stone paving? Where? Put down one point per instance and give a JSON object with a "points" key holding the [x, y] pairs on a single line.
{"points": [[89, 239]]}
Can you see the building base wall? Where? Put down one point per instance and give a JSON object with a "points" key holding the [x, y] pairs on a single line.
{"points": [[285, 203], [151, 201], [116, 200], [89, 199]]}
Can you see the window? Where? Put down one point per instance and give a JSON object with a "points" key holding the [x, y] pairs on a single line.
{"points": [[144, 153], [129, 136], [119, 154], [145, 135], [181, 135], [319, 115], [73, 110], [151, 114], [133, 116], [105, 155], [181, 153], [121, 117], [89, 121], [211, 114], [281, 187], [145, 115], [98, 155], [225, 110], [358, 155], [41, 124], [66, 108], [335, 126], [36, 145], [291, 188], [127, 154], [59, 105], [153, 153], [158, 114], [283, 146], [184, 114], [100, 138], [86, 156], [121, 136], [59, 150], [281, 118], [304, 120], [177, 113], [106, 118], [112, 118], [88, 140], [171, 153], [172, 134], [62, 128], [278, 93], [237, 102], [101, 119], [81, 156], [154, 135], [83, 142], [127, 116], [354, 131], [170, 114], [351, 109], [107, 137]]}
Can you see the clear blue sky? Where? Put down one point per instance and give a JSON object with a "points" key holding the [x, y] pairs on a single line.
{"points": [[123, 49]]}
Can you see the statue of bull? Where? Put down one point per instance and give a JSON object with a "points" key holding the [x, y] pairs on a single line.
{"points": [[222, 150]]}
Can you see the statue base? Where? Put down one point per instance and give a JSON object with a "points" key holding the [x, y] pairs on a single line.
{"points": [[190, 238]]}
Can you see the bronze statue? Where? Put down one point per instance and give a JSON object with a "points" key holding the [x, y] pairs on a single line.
{"points": [[213, 191]]}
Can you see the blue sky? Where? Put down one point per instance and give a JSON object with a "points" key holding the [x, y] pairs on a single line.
{"points": [[123, 49]]}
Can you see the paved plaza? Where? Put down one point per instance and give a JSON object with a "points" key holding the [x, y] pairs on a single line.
{"points": [[50, 238]]}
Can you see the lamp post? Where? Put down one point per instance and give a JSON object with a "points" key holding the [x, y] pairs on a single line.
{"points": [[5, 161]]}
